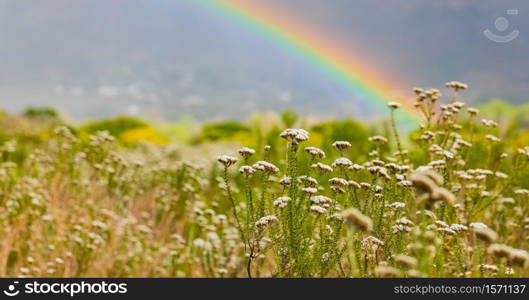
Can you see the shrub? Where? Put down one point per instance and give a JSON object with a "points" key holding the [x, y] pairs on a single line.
{"points": [[116, 127]]}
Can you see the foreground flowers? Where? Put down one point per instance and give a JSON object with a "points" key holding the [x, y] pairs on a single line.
{"points": [[402, 219]]}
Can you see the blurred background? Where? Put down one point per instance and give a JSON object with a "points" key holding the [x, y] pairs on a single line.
{"points": [[173, 59]]}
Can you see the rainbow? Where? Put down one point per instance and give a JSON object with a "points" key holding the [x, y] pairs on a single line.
{"points": [[326, 55]]}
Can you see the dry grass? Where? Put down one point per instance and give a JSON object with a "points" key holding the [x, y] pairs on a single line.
{"points": [[80, 207]]}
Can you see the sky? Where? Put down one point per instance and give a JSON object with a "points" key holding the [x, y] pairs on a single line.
{"points": [[173, 58]]}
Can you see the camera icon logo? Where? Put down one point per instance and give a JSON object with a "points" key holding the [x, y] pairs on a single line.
{"points": [[11, 290], [501, 24]]}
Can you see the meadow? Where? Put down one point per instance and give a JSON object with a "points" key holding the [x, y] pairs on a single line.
{"points": [[278, 196]]}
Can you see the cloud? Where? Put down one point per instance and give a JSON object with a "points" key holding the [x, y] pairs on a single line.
{"points": [[208, 63]]}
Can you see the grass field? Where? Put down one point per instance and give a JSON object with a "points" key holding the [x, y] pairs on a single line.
{"points": [[334, 199]]}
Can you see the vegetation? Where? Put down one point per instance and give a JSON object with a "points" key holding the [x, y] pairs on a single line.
{"points": [[450, 199]]}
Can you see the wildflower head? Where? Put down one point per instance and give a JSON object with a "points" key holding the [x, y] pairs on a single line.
{"points": [[309, 190], [371, 244], [337, 189], [493, 139], [295, 136], [281, 202], [342, 162], [489, 123], [423, 183], [458, 228], [486, 234], [456, 85], [442, 194], [265, 167], [353, 184], [266, 221], [521, 192], [356, 168], [477, 225], [355, 219], [339, 182], [377, 139], [499, 250], [246, 152], [227, 160], [321, 200], [446, 230], [315, 152], [397, 205], [341, 146], [393, 105], [318, 209], [386, 272], [433, 94], [285, 181], [405, 261], [322, 168], [365, 185], [519, 257], [418, 91], [473, 111], [246, 170], [308, 181]]}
